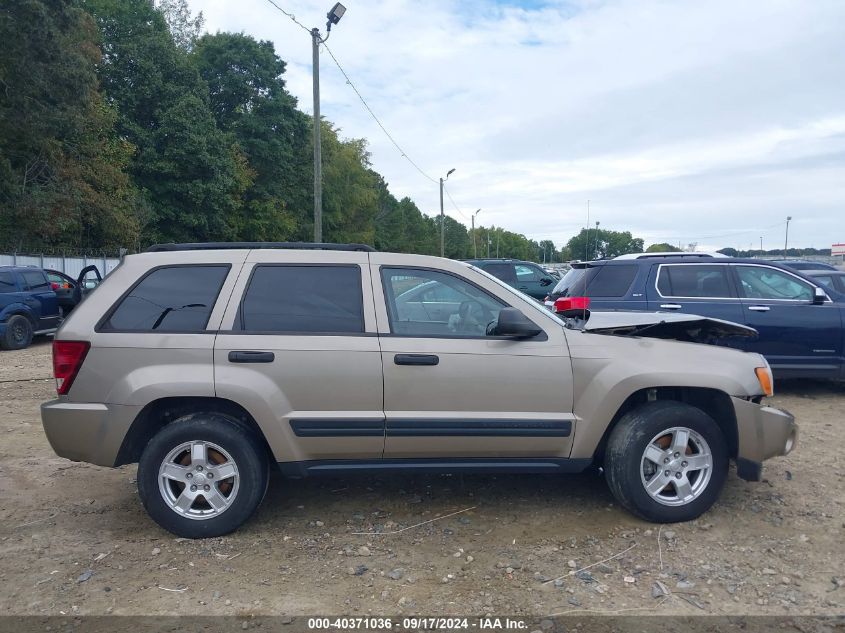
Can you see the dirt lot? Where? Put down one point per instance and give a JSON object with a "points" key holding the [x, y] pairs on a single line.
{"points": [[75, 540]]}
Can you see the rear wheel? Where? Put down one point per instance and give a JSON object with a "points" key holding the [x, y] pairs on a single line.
{"points": [[202, 475], [18, 334], [666, 462]]}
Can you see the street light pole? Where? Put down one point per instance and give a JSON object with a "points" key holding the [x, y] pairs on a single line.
{"points": [[443, 216], [474, 243], [333, 16], [786, 239]]}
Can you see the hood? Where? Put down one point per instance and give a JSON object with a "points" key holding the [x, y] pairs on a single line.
{"points": [[690, 328]]}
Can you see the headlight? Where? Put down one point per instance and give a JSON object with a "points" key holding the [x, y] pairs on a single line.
{"points": [[764, 376]]}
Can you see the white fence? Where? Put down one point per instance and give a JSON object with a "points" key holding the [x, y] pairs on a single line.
{"points": [[71, 266]]}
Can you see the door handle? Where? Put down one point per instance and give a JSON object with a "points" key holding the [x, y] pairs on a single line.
{"points": [[759, 308], [251, 357], [671, 306], [523, 287], [416, 359]]}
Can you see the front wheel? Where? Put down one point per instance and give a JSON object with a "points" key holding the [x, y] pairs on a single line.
{"points": [[202, 475], [666, 462]]}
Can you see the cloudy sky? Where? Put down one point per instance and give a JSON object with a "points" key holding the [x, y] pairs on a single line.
{"points": [[682, 121]]}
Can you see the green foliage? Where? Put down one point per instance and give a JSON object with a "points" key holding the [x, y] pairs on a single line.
{"points": [[592, 244], [61, 164], [121, 126], [663, 247]]}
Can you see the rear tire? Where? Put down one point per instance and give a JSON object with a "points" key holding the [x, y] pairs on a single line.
{"points": [[666, 462], [18, 334], [203, 475]]}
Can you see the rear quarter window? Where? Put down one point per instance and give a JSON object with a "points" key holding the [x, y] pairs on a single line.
{"points": [[7, 283], [597, 281], [169, 299]]}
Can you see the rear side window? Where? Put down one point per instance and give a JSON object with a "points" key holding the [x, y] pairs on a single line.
{"points": [[598, 281], [693, 280], [170, 299], [505, 272], [35, 280], [297, 299], [7, 283]]}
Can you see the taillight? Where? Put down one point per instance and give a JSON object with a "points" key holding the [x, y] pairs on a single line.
{"points": [[570, 304], [67, 359]]}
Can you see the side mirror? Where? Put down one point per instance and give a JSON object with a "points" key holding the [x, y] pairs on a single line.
{"points": [[513, 323], [819, 297]]}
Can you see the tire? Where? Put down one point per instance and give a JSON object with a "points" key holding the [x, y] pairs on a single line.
{"points": [[18, 334], [200, 450], [658, 427]]}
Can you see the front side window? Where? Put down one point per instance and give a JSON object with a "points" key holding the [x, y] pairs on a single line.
{"points": [[528, 273], [761, 282], [171, 299], [303, 299], [432, 303], [7, 283], [694, 281]]}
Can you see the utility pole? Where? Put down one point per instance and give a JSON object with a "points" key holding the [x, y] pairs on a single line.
{"points": [[761, 246], [786, 239], [474, 244], [443, 216], [497, 243], [489, 240], [333, 16], [318, 158]]}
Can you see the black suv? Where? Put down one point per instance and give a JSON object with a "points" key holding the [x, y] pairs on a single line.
{"points": [[525, 276], [801, 325]]}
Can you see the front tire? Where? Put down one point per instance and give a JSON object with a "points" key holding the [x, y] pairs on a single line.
{"points": [[666, 462], [203, 475]]}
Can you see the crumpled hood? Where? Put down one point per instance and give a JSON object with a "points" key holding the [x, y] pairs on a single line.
{"points": [[665, 325]]}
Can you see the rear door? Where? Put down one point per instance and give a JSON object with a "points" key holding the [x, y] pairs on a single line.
{"points": [[796, 336], [41, 298], [451, 389], [704, 289], [298, 348]]}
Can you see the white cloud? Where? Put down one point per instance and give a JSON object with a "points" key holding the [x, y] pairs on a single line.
{"points": [[685, 119]]}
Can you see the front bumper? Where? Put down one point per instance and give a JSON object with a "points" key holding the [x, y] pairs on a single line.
{"points": [[762, 432], [87, 432]]}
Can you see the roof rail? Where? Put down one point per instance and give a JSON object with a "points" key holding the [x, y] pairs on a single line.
{"points": [[671, 254], [304, 246]]}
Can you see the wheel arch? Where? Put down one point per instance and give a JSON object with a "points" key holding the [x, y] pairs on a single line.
{"points": [[715, 403], [159, 413]]}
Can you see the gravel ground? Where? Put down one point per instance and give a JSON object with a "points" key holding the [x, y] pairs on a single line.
{"points": [[74, 538]]}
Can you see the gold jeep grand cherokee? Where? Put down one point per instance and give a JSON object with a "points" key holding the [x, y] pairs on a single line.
{"points": [[208, 364]]}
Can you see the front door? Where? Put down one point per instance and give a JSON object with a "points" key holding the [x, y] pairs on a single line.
{"points": [[796, 335], [298, 349], [451, 390]]}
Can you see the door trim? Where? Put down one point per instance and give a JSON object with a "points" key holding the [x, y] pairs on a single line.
{"points": [[337, 427], [496, 427]]}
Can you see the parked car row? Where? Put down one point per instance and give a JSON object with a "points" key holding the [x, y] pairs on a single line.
{"points": [[33, 301], [799, 316]]}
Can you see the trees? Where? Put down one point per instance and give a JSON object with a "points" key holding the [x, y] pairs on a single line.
{"points": [[662, 247], [592, 244], [62, 166], [190, 174]]}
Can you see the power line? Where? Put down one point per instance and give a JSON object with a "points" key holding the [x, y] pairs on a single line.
{"points": [[738, 233], [375, 118], [291, 16], [453, 202]]}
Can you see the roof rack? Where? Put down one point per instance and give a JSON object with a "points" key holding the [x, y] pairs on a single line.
{"points": [[304, 246]]}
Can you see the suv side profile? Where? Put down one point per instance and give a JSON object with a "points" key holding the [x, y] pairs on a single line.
{"points": [[28, 306], [209, 364], [527, 277], [800, 323]]}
